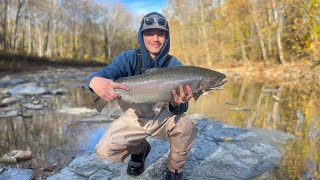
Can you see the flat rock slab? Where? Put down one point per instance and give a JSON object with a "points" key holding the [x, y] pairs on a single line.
{"points": [[31, 88], [16, 173], [220, 152], [96, 119], [78, 110]]}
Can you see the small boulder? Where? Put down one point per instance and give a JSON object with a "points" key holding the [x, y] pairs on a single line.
{"points": [[16, 155], [33, 106], [7, 101], [28, 89]]}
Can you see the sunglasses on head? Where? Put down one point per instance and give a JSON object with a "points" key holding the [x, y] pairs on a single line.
{"points": [[151, 20]]}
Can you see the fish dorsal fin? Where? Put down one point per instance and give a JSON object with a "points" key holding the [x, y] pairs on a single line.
{"points": [[150, 70]]}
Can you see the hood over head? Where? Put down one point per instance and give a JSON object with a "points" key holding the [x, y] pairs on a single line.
{"points": [[166, 47]]}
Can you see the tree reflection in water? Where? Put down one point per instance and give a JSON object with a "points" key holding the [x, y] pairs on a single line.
{"points": [[289, 107], [54, 138]]}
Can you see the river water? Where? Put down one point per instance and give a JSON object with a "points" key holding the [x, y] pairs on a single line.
{"points": [[55, 138]]}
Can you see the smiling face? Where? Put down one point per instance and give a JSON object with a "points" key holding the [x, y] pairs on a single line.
{"points": [[154, 40]]}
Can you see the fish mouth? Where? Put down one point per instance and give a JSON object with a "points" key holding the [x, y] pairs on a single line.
{"points": [[218, 84]]}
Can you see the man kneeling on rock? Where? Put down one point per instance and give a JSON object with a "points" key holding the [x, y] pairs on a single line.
{"points": [[127, 135]]}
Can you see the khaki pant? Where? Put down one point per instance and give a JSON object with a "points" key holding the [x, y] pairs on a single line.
{"points": [[127, 135]]}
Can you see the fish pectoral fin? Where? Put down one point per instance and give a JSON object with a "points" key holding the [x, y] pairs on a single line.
{"points": [[98, 102], [157, 107]]}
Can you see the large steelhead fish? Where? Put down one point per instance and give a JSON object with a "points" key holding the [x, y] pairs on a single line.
{"points": [[156, 85]]}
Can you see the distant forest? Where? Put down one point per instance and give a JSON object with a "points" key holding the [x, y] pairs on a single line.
{"points": [[202, 32]]}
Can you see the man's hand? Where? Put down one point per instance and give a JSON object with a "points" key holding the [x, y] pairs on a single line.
{"points": [[105, 88], [182, 97]]}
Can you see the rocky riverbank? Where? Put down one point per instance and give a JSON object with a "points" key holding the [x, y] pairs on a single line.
{"points": [[220, 151]]}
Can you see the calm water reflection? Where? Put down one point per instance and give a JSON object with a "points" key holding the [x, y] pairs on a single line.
{"points": [[55, 138], [284, 107]]}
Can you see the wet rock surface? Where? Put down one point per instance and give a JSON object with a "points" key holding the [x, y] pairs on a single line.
{"points": [[31, 88], [20, 92], [220, 152]]}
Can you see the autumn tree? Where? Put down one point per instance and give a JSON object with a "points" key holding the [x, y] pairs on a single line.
{"points": [[20, 4], [115, 26], [4, 24]]}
